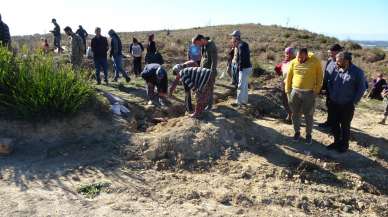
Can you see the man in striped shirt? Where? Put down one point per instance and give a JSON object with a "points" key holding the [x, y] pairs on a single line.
{"points": [[198, 80]]}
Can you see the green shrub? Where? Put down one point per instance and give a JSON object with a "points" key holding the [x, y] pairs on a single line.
{"points": [[34, 86]]}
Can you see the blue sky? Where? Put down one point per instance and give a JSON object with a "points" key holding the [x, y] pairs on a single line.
{"points": [[354, 19]]}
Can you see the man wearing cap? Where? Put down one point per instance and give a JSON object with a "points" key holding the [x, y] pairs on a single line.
{"points": [[156, 77], [329, 68], [83, 34], [57, 35], [77, 48], [346, 86], [5, 37], [244, 68]]}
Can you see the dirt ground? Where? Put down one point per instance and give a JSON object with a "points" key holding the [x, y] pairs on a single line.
{"points": [[232, 162]]}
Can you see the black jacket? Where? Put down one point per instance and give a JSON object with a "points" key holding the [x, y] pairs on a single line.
{"points": [[5, 37], [100, 47], [116, 46], [82, 33], [244, 56]]}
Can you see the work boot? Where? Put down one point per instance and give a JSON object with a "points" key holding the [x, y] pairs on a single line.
{"points": [[296, 137]]}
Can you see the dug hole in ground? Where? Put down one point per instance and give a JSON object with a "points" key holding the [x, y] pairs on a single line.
{"points": [[157, 162]]}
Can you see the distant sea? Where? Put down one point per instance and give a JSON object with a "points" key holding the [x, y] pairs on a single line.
{"points": [[372, 44]]}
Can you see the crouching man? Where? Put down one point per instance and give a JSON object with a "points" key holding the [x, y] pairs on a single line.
{"points": [[198, 80], [156, 77]]}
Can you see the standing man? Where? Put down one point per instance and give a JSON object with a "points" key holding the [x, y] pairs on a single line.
{"points": [[244, 67], [281, 69], [117, 55], [83, 34], [208, 61], [100, 48], [346, 87], [5, 37], [329, 68], [77, 46], [136, 50], [303, 84], [57, 35]]}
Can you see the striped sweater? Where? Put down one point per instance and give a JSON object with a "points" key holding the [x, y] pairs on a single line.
{"points": [[195, 78]]}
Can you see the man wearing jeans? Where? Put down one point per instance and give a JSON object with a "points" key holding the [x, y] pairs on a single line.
{"points": [[117, 55], [244, 68], [346, 87], [303, 84], [100, 49]]}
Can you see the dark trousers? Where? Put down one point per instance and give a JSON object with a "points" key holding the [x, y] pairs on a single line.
{"points": [[188, 101], [329, 120], [342, 116], [137, 65], [101, 62]]}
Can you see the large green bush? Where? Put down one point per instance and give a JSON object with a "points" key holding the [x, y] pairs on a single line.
{"points": [[35, 86]]}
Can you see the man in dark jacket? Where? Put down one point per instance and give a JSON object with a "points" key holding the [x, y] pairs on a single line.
{"points": [[155, 76], [329, 68], [5, 37], [346, 87], [83, 34], [117, 55], [100, 48], [208, 61], [57, 35], [244, 68]]}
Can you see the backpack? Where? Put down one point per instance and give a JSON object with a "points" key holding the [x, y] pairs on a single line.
{"points": [[136, 50]]}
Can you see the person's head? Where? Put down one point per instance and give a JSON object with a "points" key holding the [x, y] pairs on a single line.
{"points": [[68, 30], [135, 41], [80, 26], [334, 50], [177, 68], [54, 20], [289, 53], [111, 33], [151, 37], [343, 59], [98, 31], [302, 55], [199, 40]]}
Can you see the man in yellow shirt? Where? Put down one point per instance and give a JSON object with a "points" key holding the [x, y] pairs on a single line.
{"points": [[302, 85]]}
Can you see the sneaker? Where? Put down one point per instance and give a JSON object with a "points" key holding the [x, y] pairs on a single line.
{"points": [[332, 146], [106, 81], [128, 79], [296, 137], [309, 139], [382, 122], [98, 82]]}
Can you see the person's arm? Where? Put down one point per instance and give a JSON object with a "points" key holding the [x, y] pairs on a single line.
{"points": [[290, 75], [360, 87], [319, 77], [86, 34], [115, 46], [240, 51], [174, 84], [141, 46], [214, 57], [130, 48], [92, 45]]}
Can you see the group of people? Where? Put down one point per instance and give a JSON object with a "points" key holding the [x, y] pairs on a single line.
{"points": [[340, 80], [303, 77]]}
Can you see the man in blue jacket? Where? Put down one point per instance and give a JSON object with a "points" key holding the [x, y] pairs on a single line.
{"points": [[346, 87]]}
